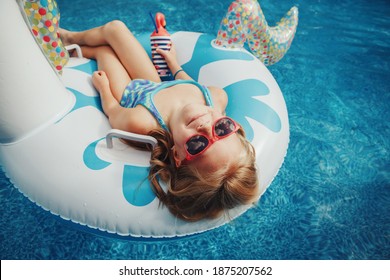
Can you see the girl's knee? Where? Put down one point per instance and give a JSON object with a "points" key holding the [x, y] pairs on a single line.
{"points": [[115, 26]]}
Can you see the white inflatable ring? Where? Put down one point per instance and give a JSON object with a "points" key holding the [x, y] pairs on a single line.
{"points": [[53, 133]]}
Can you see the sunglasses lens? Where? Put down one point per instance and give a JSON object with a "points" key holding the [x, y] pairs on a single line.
{"points": [[196, 144], [224, 127]]}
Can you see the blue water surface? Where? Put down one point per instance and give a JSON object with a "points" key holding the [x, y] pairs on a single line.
{"points": [[331, 198]]}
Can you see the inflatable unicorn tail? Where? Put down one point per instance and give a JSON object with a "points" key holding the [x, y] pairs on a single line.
{"points": [[245, 21]]}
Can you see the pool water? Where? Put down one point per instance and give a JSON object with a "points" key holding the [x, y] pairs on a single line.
{"points": [[331, 198]]}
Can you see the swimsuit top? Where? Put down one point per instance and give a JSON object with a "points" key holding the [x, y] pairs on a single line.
{"points": [[142, 92]]}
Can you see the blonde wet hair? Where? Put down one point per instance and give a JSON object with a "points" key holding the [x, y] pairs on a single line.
{"points": [[191, 195]]}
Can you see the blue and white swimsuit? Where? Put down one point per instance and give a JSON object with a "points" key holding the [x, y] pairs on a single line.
{"points": [[142, 92]]}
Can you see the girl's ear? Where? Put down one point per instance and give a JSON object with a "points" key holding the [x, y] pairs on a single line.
{"points": [[176, 157]]}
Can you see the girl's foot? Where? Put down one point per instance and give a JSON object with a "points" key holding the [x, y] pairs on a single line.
{"points": [[65, 36]]}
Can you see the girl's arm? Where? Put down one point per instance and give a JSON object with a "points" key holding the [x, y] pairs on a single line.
{"points": [[102, 85], [170, 58], [128, 119]]}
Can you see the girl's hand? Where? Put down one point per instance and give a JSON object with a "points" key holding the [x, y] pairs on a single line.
{"points": [[169, 56], [100, 81]]}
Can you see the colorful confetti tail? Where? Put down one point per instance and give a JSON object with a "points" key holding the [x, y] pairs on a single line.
{"points": [[43, 18], [245, 22]]}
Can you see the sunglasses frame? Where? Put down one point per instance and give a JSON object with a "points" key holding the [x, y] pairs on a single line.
{"points": [[212, 140]]}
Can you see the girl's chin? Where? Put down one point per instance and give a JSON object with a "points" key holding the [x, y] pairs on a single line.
{"points": [[191, 112]]}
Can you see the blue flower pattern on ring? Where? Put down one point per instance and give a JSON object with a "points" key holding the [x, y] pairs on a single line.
{"points": [[135, 185]]}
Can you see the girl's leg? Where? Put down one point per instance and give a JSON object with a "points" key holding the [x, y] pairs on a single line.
{"points": [[127, 48], [109, 63]]}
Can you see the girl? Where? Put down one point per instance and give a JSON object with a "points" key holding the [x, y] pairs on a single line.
{"points": [[202, 155]]}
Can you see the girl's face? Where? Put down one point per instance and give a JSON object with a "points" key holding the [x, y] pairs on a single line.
{"points": [[193, 119]]}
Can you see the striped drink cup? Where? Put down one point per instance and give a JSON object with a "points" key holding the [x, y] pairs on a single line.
{"points": [[160, 42]]}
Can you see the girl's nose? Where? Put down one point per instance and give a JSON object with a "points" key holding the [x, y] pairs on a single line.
{"points": [[206, 128]]}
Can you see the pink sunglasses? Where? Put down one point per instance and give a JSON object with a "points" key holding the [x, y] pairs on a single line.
{"points": [[199, 143]]}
